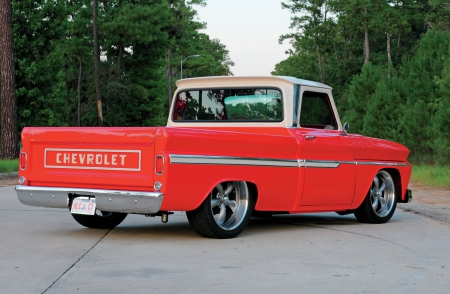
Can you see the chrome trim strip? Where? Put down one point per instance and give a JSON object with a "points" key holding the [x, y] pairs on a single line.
{"points": [[322, 164], [326, 164], [92, 150], [106, 200], [382, 163], [226, 160], [335, 164]]}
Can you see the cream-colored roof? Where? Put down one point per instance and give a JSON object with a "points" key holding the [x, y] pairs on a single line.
{"points": [[242, 81]]}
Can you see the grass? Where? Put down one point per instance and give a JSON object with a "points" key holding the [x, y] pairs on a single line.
{"points": [[9, 166], [431, 175]]}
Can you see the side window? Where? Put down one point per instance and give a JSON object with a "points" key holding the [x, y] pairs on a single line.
{"points": [[316, 111]]}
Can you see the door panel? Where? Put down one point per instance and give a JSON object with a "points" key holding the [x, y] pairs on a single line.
{"points": [[329, 168], [327, 155]]}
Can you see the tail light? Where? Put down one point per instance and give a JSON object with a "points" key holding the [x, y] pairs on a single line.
{"points": [[159, 164], [23, 160]]}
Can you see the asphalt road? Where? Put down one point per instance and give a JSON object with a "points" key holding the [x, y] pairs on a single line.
{"points": [[45, 251]]}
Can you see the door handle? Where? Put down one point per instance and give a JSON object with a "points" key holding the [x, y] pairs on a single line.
{"points": [[309, 137]]}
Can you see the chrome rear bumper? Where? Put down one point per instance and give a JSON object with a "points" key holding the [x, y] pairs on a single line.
{"points": [[106, 200]]}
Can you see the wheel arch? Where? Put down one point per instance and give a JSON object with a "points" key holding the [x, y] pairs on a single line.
{"points": [[381, 200], [396, 176], [250, 185], [222, 216], [253, 189]]}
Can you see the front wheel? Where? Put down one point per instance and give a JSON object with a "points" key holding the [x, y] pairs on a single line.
{"points": [[224, 213], [380, 202]]}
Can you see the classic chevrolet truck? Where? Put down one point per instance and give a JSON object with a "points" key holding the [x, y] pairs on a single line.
{"points": [[233, 147]]}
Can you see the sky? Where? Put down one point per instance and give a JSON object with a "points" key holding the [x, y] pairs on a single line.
{"points": [[250, 30]]}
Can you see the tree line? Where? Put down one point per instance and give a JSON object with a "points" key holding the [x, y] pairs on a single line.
{"points": [[388, 62], [106, 62]]}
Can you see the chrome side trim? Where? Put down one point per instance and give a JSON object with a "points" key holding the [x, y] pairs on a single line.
{"points": [[198, 159], [322, 164], [106, 200], [382, 163], [225, 160], [335, 164]]}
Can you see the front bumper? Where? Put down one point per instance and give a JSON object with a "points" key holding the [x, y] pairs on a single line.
{"points": [[106, 200]]}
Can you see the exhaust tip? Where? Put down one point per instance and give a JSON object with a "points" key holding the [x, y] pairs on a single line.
{"points": [[164, 217]]}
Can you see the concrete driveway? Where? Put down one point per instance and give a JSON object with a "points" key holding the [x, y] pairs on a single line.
{"points": [[46, 251]]}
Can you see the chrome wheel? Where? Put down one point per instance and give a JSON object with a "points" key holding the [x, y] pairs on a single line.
{"points": [[381, 200], [229, 204], [225, 212], [382, 194]]}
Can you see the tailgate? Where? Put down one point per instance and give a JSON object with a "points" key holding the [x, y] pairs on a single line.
{"points": [[102, 158]]}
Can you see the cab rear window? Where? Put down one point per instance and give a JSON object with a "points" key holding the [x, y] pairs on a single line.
{"points": [[234, 105]]}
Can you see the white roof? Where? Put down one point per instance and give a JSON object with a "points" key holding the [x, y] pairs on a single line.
{"points": [[243, 81]]}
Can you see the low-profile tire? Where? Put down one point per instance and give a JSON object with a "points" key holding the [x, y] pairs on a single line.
{"points": [[107, 220], [380, 202], [224, 213]]}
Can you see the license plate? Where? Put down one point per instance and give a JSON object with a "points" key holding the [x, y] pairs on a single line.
{"points": [[83, 205]]}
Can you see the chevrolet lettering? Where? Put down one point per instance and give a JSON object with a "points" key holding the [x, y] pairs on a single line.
{"points": [[233, 148], [92, 159]]}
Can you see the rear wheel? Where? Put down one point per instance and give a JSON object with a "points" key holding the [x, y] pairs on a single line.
{"points": [[380, 202], [224, 213]]}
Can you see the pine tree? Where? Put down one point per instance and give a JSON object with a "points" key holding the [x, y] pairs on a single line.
{"points": [[420, 73], [38, 28], [310, 19], [383, 109], [441, 119], [361, 89]]}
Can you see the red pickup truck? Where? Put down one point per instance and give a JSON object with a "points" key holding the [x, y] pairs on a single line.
{"points": [[233, 147]]}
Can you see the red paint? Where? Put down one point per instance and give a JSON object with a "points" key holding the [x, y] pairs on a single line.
{"points": [[102, 173], [185, 186]]}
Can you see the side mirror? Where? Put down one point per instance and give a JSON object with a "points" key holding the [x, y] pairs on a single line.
{"points": [[345, 129]]}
